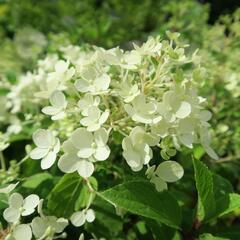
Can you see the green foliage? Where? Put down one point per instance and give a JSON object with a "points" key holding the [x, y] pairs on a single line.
{"points": [[69, 195], [141, 198], [204, 184], [215, 194]]}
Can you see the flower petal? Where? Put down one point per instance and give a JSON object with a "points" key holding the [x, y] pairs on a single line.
{"points": [[68, 163], [101, 137], [16, 200], [81, 138], [39, 226], [29, 204], [78, 218], [184, 110], [49, 110], [22, 231], [102, 153], [49, 160], [85, 152], [58, 99], [61, 223], [68, 147], [38, 153], [159, 184], [169, 171], [82, 85], [85, 168], [210, 152], [90, 215], [11, 214], [43, 138]]}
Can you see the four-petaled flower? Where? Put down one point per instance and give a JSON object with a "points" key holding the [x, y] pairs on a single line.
{"points": [[136, 148], [79, 218], [18, 206], [166, 172], [141, 111], [92, 82], [82, 149], [94, 118], [59, 104], [47, 147]]}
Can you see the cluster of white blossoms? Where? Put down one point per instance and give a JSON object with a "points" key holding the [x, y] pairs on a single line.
{"points": [[148, 95], [41, 227]]}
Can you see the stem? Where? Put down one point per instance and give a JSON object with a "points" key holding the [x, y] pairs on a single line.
{"points": [[226, 159], [2, 160], [23, 160]]}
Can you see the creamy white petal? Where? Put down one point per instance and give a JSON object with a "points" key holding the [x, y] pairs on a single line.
{"points": [[82, 85], [102, 153], [169, 171], [187, 140], [61, 66], [133, 159], [159, 184], [22, 231], [49, 160], [16, 200], [68, 163], [85, 152], [101, 137], [58, 116], [58, 99], [69, 147], [9, 188], [43, 138], [90, 215], [38, 153], [102, 82], [81, 138], [85, 168], [93, 127], [78, 218], [49, 110], [61, 223], [57, 145], [184, 110], [30, 203], [210, 152], [103, 118], [205, 115], [11, 214], [39, 226]]}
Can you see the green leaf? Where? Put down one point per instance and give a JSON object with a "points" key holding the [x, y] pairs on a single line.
{"points": [[161, 231], [207, 236], [107, 223], [69, 195], [204, 185], [141, 198], [35, 180], [215, 194], [227, 204], [232, 233], [198, 152]]}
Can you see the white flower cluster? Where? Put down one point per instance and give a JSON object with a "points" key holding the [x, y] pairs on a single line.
{"points": [[41, 227], [145, 94]]}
